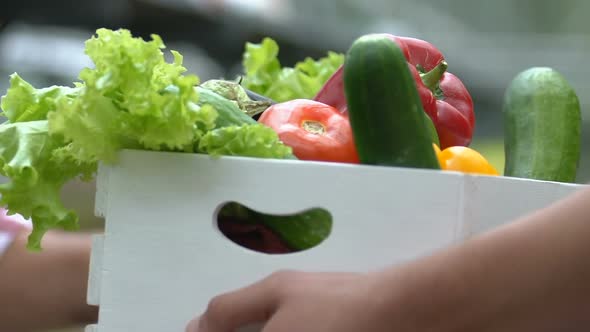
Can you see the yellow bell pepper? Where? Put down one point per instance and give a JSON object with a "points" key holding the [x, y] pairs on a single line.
{"points": [[463, 159]]}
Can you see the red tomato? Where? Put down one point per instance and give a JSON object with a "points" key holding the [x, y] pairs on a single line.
{"points": [[314, 130]]}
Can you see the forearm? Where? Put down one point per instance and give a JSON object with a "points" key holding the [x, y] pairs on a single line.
{"points": [[47, 289], [531, 275]]}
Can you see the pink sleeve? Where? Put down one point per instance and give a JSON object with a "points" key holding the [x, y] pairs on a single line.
{"points": [[9, 227]]}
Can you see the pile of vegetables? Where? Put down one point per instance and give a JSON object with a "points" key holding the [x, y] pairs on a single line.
{"points": [[388, 101]]}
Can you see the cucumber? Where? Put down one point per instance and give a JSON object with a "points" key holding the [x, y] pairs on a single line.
{"points": [[229, 112], [432, 129], [300, 231], [385, 110], [249, 102], [542, 127]]}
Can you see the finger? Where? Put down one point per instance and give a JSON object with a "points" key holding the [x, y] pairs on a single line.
{"points": [[277, 324], [245, 306], [284, 320], [193, 325]]}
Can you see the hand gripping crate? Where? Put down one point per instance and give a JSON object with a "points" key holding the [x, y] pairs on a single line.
{"points": [[162, 257]]}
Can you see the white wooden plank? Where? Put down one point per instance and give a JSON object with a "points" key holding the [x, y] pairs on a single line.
{"points": [[102, 183], [91, 328], [494, 201], [95, 272], [164, 258]]}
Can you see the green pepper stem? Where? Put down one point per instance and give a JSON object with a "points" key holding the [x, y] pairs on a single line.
{"points": [[432, 78]]}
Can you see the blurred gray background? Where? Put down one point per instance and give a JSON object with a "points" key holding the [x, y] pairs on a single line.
{"points": [[486, 43]]}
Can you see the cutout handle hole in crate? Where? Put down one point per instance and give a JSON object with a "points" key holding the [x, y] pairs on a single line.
{"points": [[273, 233]]}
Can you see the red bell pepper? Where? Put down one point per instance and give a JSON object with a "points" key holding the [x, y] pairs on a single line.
{"points": [[444, 97]]}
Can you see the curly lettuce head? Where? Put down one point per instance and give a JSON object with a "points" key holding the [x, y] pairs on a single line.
{"points": [[131, 99]]}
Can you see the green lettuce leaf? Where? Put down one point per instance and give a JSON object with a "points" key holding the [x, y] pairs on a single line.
{"points": [[132, 98], [23, 102], [31, 159], [264, 74], [253, 140]]}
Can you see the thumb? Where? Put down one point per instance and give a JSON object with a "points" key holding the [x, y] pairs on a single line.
{"points": [[193, 325], [227, 312]]}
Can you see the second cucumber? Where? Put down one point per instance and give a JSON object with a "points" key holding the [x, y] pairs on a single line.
{"points": [[542, 127]]}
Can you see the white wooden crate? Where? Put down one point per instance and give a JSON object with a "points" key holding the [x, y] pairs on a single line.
{"points": [[162, 256]]}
